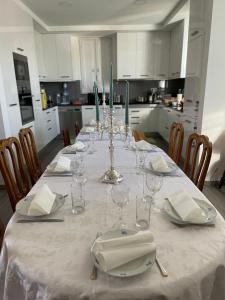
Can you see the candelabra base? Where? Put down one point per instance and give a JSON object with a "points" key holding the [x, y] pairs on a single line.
{"points": [[112, 176]]}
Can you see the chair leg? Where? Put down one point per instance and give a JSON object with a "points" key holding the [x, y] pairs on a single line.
{"points": [[222, 180]]}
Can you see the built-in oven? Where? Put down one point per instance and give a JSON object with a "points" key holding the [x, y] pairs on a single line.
{"points": [[23, 87]]}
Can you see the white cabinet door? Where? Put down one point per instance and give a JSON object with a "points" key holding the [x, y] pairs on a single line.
{"points": [[194, 58], [40, 56], [88, 114], [144, 55], [161, 52], [126, 55], [64, 57], [14, 119], [90, 64], [50, 57]]}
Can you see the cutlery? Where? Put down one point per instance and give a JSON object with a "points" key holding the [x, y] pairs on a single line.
{"points": [[39, 220], [162, 270], [94, 271], [58, 175]]}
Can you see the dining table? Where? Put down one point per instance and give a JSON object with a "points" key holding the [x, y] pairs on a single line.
{"points": [[52, 261]]}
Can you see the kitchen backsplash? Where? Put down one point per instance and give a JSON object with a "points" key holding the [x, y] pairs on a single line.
{"points": [[137, 88]]}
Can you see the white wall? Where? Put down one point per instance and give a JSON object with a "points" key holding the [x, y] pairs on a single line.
{"points": [[213, 110]]}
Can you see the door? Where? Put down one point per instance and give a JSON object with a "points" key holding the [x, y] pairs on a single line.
{"points": [[161, 54], [126, 55], [64, 57], [50, 57]]}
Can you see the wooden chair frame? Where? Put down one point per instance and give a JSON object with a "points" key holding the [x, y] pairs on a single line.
{"points": [[196, 166], [13, 170], [176, 142], [66, 137], [138, 135], [30, 153]]}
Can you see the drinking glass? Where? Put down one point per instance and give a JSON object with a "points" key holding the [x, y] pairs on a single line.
{"points": [[154, 183], [143, 211], [78, 195], [92, 137], [78, 166], [140, 160], [120, 196]]}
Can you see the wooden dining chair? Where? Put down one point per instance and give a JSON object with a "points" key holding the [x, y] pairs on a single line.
{"points": [[66, 137], [176, 141], [198, 155], [138, 135], [77, 129], [2, 232], [30, 153], [13, 170]]}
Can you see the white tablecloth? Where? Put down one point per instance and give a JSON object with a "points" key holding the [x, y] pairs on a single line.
{"points": [[52, 260]]}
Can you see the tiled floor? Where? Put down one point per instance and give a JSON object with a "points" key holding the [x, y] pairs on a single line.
{"points": [[217, 197]]}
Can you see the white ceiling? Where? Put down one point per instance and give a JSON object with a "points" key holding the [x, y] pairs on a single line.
{"points": [[101, 12]]}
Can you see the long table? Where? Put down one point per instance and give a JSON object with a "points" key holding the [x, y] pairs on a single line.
{"points": [[52, 260]]}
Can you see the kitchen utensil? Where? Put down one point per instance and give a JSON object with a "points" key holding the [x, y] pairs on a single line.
{"points": [[39, 220], [162, 270], [94, 271]]}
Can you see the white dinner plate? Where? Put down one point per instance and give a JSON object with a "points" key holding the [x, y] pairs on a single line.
{"points": [[88, 129], [23, 205], [51, 170], [134, 267], [208, 209], [172, 169]]}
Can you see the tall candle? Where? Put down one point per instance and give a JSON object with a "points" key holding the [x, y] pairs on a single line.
{"points": [[111, 88], [96, 102], [103, 92], [127, 104]]}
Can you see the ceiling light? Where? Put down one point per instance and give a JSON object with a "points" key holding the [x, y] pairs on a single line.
{"points": [[65, 3], [140, 2]]}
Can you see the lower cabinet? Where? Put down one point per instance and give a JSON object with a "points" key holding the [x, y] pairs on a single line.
{"points": [[144, 119], [46, 126]]}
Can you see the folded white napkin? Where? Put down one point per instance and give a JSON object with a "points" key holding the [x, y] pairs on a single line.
{"points": [[159, 164], [78, 146], [115, 252], [63, 164], [186, 207], [143, 145], [42, 202], [88, 129], [92, 122]]}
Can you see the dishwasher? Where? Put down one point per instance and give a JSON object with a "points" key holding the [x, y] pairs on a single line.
{"points": [[68, 116]]}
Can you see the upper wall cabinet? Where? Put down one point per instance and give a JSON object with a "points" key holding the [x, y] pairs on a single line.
{"points": [[90, 58], [178, 50], [57, 57], [126, 55], [161, 54]]}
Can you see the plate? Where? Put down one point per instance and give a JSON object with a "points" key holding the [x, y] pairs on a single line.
{"points": [[134, 267], [172, 169], [90, 129], [208, 209], [151, 148], [51, 169], [24, 204], [69, 150]]}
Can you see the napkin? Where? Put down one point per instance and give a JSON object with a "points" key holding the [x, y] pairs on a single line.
{"points": [[159, 164], [92, 122], [143, 145], [42, 202], [78, 146], [88, 129], [115, 252], [63, 164], [186, 207]]}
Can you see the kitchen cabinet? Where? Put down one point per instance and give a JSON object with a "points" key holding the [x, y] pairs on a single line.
{"points": [[40, 56], [64, 57], [144, 119], [161, 54], [144, 55], [194, 56], [178, 51], [50, 57], [90, 56], [126, 55]]}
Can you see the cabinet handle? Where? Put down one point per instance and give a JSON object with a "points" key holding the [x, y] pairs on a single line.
{"points": [[135, 111], [187, 121], [65, 76], [54, 109], [38, 100], [20, 49], [195, 33], [135, 117], [135, 123], [89, 108], [47, 112], [189, 100], [13, 104], [144, 75], [31, 126], [126, 75], [48, 121], [25, 97], [49, 128], [162, 75], [168, 111]]}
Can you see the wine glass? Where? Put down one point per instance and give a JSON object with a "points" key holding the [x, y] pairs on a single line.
{"points": [[140, 160], [154, 183], [120, 196]]}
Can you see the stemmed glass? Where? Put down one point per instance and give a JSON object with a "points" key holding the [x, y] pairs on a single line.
{"points": [[140, 160], [91, 149], [154, 183], [120, 196]]}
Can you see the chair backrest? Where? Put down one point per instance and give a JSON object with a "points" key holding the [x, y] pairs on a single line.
{"points": [[30, 153], [2, 231], [77, 128], [197, 158], [138, 135], [176, 141], [13, 170], [66, 137]]}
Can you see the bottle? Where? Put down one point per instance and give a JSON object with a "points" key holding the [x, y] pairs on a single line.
{"points": [[179, 96], [43, 99], [65, 93]]}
